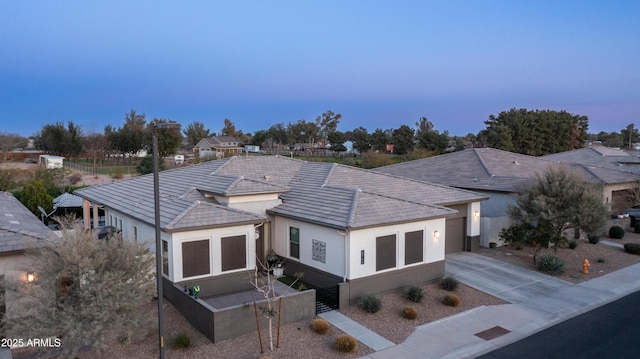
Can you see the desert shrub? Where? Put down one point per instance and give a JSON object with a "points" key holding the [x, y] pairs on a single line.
{"points": [[345, 343], [320, 326], [181, 341], [573, 244], [633, 248], [593, 239], [449, 283], [616, 232], [370, 303], [451, 300], [551, 264], [414, 293], [75, 178], [410, 313]]}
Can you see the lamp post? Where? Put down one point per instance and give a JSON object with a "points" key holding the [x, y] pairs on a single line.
{"points": [[156, 201]]}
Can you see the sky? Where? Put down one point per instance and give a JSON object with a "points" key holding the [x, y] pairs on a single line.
{"points": [[381, 64]]}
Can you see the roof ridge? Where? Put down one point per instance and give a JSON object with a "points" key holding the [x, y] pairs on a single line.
{"points": [[183, 213], [351, 217], [483, 163], [329, 173]]}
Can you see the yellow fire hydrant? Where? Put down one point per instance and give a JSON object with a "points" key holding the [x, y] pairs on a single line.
{"points": [[585, 266]]}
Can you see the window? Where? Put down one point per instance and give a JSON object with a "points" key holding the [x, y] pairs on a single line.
{"points": [[195, 258], [120, 222], [413, 244], [234, 252], [294, 242], [385, 252], [135, 233], [165, 257]]}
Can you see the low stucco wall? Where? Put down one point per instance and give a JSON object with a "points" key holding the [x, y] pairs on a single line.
{"points": [[220, 324], [394, 280]]}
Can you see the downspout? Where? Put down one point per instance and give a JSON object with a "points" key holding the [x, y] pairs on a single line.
{"points": [[346, 254]]}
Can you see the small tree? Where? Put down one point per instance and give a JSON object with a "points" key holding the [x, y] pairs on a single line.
{"points": [[556, 201], [264, 282], [88, 292]]}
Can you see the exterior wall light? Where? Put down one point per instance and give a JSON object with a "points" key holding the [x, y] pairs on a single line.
{"points": [[31, 277], [476, 214], [436, 234]]}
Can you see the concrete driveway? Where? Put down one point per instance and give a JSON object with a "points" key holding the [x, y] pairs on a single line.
{"points": [[503, 280]]}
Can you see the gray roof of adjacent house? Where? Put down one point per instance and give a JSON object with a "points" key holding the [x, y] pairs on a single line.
{"points": [[328, 194], [489, 169], [606, 157], [19, 228]]}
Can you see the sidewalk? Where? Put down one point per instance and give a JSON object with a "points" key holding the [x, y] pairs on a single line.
{"points": [[538, 302]]}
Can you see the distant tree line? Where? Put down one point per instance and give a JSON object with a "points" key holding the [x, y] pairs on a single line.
{"points": [[530, 132]]}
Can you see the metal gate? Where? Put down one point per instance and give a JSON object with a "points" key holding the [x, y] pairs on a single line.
{"points": [[327, 298]]}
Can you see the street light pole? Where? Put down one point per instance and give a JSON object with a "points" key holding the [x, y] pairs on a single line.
{"points": [[156, 200]]}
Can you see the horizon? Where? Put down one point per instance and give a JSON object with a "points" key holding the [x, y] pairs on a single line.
{"points": [[378, 64]]}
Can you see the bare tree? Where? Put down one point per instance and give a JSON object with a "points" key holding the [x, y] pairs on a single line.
{"points": [[9, 141], [264, 282]]}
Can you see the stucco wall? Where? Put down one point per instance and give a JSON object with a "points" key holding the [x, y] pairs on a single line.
{"points": [[333, 240], [214, 237], [433, 248]]}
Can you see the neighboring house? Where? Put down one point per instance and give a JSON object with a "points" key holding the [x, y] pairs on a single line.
{"points": [[613, 158], [20, 230], [497, 174], [367, 232], [217, 146]]}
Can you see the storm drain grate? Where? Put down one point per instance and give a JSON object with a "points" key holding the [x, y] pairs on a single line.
{"points": [[492, 333]]}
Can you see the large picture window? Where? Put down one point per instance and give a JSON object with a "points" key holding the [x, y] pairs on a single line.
{"points": [[385, 252], [234, 252], [413, 245], [195, 258], [294, 242]]}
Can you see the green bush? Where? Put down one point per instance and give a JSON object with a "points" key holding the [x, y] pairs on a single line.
{"points": [[449, 283], [320, 326], [414, 293], [410, 313], [451, 300], [345, 343], [370, 303], [633, 248], [181, 341], [593, 239], [551, 264], [573, 244], [616, 232]]}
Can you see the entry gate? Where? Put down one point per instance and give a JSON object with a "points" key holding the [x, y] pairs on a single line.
{"points": [[327, 299]]}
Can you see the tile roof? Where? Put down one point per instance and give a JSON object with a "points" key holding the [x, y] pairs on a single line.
{"points": [[605, 157], [333, 195], [19, 228], [494, 170]]}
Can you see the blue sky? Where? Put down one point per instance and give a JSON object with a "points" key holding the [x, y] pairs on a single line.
{"points": [[381, 64]]}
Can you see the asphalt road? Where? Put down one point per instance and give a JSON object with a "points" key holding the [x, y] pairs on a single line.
{"points": [[611, 331]]}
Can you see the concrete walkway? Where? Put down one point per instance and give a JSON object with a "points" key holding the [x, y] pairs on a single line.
{"points": [[538, 302], [364, 335]]}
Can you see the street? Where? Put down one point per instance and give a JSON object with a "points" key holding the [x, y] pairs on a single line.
{"points": [[611, 331]]}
